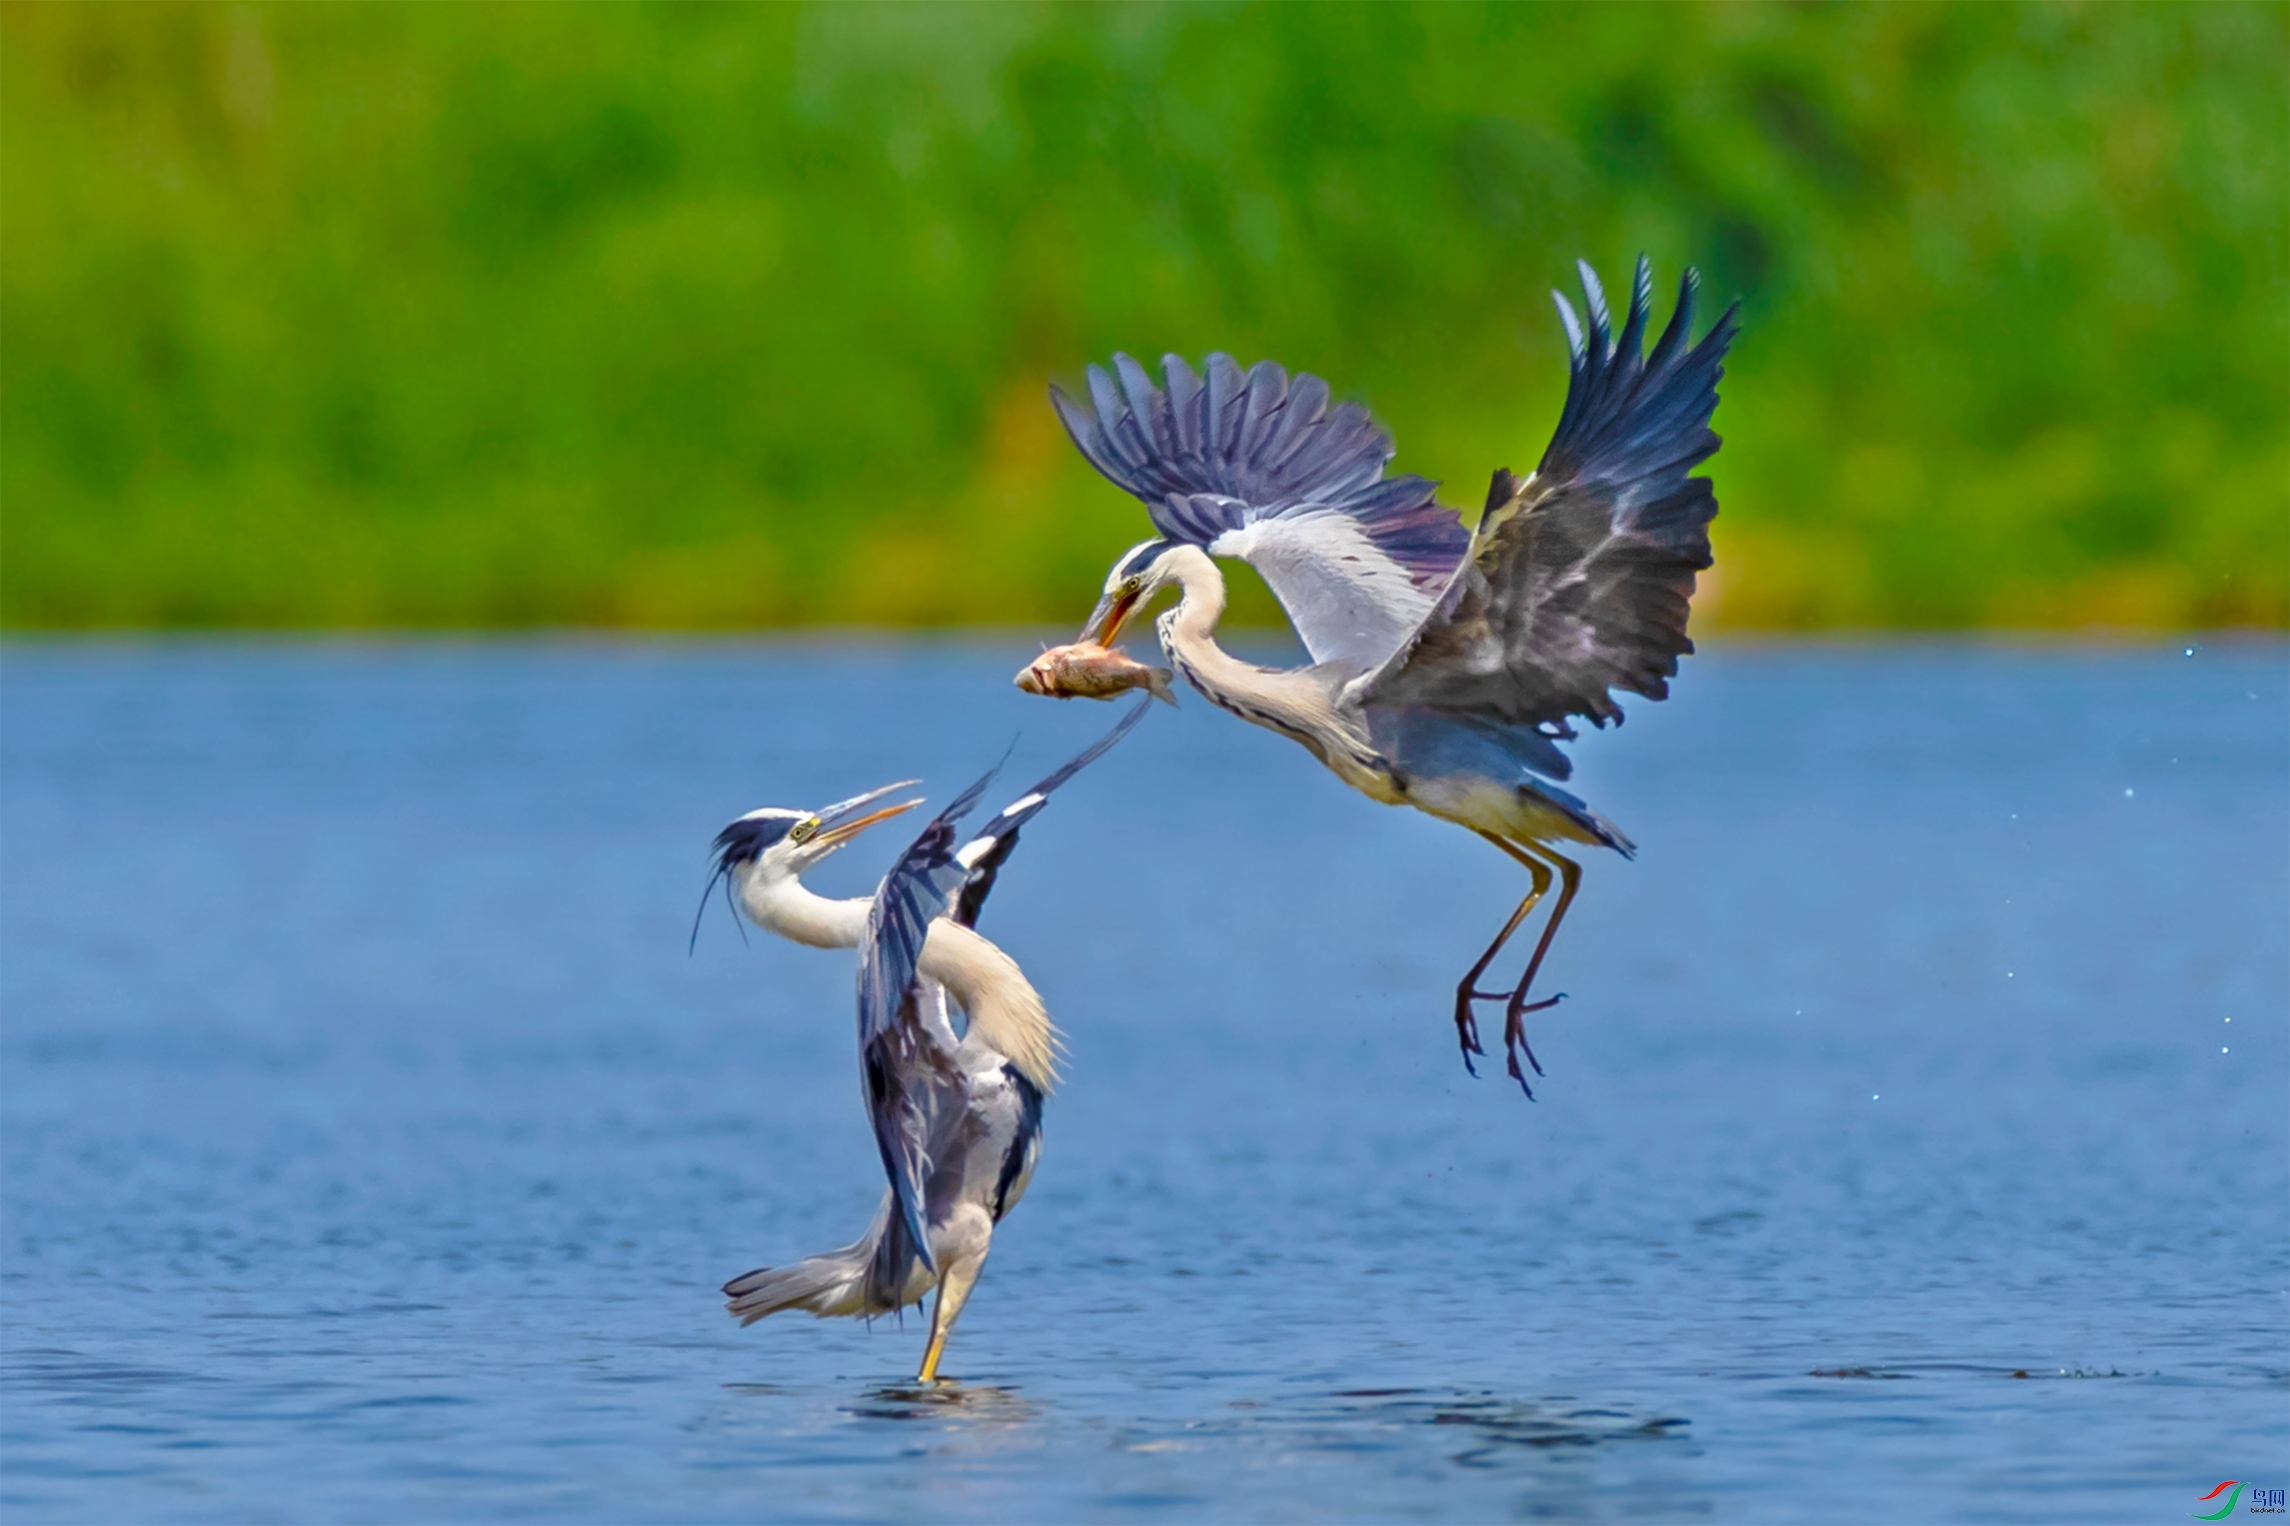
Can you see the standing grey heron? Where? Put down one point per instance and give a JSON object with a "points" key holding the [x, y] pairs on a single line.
{"points": [[1446, 665], [957, 1118]]}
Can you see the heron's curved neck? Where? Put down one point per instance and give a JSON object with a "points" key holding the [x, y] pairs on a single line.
{"points": [[1004, 1009], [1189, 631], [1283, 699], [779, 903]]}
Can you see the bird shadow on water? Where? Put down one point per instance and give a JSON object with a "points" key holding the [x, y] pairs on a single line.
{"points": [[946, 1399]]}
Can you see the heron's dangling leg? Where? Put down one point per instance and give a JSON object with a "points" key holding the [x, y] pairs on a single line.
{"points": [[1467, 1025], [1570, 875], [1515, 1030], [953, 1292]]}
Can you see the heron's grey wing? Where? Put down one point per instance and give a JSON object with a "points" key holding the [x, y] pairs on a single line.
{"points": [[902, 1066], [1579, 578], [1240, 463], [986, 852]]}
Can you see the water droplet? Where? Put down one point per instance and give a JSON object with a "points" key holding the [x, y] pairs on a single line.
{"points": [[1872, 1096], [2222, 1049], [2127, 794], [2230, 1019], [2007, 974], [2190, 651]]}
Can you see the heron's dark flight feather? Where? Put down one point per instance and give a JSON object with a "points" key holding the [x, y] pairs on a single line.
{"points": [[1579, 579], [993, 844], [900, 1065], [1023, 1143], [1220, 450]]}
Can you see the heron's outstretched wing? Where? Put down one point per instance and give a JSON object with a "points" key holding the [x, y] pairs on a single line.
{"points": [[900, 1063], [1579, 577], [1256, 465], [985, 853]]}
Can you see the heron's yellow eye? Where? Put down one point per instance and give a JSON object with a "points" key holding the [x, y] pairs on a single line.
{"points": [[1132, 586], [802, 830]]}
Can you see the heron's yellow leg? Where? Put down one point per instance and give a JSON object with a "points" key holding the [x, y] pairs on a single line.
{"points": [[1466, 1025], [953, 1292], [931, 1354]]}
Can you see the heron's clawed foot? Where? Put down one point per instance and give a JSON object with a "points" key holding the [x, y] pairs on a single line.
{"points": [[1515, 1036], [1467, 1026]]}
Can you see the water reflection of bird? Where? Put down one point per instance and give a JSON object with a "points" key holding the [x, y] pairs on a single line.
{"points": [[956, 1117], [1446, 665]]}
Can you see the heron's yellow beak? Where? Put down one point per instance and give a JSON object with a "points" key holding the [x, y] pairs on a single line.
{"points": [[1105, 622], [835, 837]]}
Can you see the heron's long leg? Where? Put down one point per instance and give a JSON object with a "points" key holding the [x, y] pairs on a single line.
{"points": [[1466, 1025], [1514, 1030], [953, 1292], [1570, 876]]}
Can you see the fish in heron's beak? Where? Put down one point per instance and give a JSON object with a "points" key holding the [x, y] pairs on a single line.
{"points": [[1087, 671]]}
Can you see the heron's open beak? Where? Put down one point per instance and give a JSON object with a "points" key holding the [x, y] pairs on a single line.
{"points": [[836, 830], [835, 837], [1106, 620]]}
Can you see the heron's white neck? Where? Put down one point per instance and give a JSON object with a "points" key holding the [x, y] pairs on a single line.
{"points": [[1292, 701], [778, 903], [1004, 1010], [1188, 632]]}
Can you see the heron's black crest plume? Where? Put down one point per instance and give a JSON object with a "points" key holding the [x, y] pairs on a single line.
{"points": [[1139, 558], [743, 842], [750, 837], [722, 876]]}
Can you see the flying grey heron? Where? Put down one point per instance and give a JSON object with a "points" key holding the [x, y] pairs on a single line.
{"points": [[1446, 665], [957, 1118]]}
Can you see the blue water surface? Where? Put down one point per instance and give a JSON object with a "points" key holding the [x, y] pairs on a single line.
{"points": [[1913, 1146]]}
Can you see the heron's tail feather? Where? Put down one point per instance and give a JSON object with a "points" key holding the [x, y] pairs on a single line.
{"points": [[835, 1283], [876, 1275]]}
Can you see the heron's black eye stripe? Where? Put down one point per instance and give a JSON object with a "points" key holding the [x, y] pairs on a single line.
{"points": [[746, 839]]}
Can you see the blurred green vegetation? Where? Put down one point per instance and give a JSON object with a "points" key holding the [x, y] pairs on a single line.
{"points": [[710, 316]]}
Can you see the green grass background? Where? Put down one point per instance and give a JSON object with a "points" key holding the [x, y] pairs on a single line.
{"points": [[722, 316]]}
